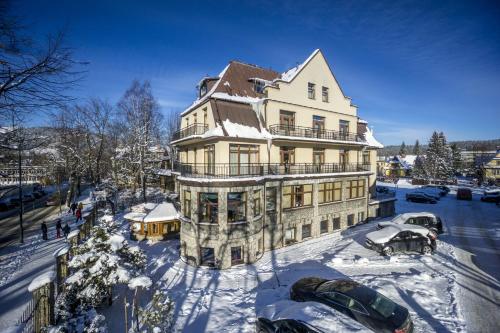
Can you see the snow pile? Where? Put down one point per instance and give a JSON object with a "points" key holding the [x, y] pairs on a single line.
{"points": [[242, 131], [362, 261], [116, 242], [61, 251], [337, 261], [74, 233], [41, 280], [370, 139], [140, 281]]}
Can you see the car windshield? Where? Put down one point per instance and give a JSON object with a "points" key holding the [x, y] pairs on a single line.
{"points": [[384, 306]]}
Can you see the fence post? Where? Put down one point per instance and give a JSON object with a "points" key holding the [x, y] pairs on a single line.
{"points": [[73, 239], [42, 288], [62, 261]]}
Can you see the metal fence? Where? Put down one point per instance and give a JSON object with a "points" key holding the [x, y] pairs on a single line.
{"points": [[314, 133]]}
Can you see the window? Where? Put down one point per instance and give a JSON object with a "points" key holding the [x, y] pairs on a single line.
{"points": [[287, 119], [329, 192], [287, 155], [340, 299], [318, 126], [343, 157], [355, 189], [203, 89], [297, 196], [187, 204], [205, 116], [243, 159], [350, 219], [207, 256], [318, 156], [311, 90], [257, 209], [336, 223], [306, 231], [195, 119], [154, 228], [324, 93], [290, 235], [208, 207], [259, 86], [366, 157], [323, 227], [361, 216], [236, 256], [343, 126], [236, 207], [271, 199], [210, 159]]}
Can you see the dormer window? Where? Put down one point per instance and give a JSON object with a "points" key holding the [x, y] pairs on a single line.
{"points": [[203, 89], [259, 86]]}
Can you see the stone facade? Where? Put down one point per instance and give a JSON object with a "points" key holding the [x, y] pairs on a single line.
{"points": [[268, 229]]}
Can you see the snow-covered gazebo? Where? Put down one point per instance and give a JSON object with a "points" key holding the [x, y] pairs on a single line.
{"points": [[155, 221]]}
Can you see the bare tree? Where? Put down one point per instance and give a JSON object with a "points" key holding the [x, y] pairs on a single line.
{"points": [[139, 111], [32, 76]]}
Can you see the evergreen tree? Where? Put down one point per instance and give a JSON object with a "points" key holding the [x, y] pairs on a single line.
{"points": [[456, 159], [438, 157], [402, 149], [416, 148], [419, 170]]}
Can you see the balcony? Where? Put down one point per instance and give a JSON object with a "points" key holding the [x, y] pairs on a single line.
{"points": [[314, 133], [227, 170], [194, 129]]}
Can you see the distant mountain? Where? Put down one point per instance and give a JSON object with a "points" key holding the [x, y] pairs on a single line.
{"points": [[474, 145]]}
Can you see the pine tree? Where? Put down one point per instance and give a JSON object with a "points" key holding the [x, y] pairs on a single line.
{"points": [[438, 157], [456, 159], [402, 149], [416, 148], [419, 170]]}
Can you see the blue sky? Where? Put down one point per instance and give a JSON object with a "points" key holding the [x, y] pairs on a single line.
{"points": [[410, 66]]}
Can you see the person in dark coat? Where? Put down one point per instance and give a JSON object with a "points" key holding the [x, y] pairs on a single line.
{"points": [[66, 230], [44, 230], [78, 215], [58, 228], [73, 207]]}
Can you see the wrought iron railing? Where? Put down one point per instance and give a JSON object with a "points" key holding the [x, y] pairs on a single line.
{"points": [[193, 129], [314, 133], [228, 170]]}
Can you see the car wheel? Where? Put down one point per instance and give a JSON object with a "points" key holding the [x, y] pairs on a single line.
{"points": [[387, 251], [426, 249]]}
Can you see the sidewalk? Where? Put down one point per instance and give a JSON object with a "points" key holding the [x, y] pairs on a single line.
{"points": [[21, 263]]}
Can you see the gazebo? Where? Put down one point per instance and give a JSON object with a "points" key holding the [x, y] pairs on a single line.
{"points": [[153, 221]]}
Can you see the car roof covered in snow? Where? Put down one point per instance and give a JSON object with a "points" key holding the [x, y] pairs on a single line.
{"points": [[318, 316], [384, 235], [401, 218]]}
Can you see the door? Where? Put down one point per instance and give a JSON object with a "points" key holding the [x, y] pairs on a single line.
{"points": [[398, 243], [318, 126], [287, 122]]}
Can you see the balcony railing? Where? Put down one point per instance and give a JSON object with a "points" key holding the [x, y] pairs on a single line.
{"points": [[314, 133], [194, 129], [227, 170]]}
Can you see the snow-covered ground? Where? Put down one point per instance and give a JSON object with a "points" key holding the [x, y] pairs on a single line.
{"points": [[434, 288]]}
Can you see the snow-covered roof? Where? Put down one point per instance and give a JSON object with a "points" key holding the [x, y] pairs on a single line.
{"points": [[409, 159], [164, 211], [41, 280], [370, 139], [318, 316], [290, 74]]}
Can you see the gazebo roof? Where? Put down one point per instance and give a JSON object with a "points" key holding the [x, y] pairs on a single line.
{"points": [[164, 211]]}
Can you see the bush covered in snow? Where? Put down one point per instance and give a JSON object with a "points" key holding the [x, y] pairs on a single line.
{"points": [[98, 264], [157, 316]]}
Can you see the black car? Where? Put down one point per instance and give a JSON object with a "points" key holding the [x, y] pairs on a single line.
{"points": [[491, 196], [420, 197], [14, 202], [402, 238], [264, 325], [424, 219], [359, 302]]}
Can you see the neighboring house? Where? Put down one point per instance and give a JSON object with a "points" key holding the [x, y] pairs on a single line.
{"points": [[269, 159], [9, 174], [491, 169], [398, 166]]}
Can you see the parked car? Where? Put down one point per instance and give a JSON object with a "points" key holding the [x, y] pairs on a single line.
{"points": [[53, 200], [429, 192], [464, 193], [359, 302], [402, 238], [434, 190], [5, 206], [423, 219], [15, 202], [491, 196], [28, 197], [420, 197]]}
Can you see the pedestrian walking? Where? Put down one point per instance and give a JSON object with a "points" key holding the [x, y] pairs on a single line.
{"points": [[78, 215], [44, 230], [80, 206], [58, 228], [73, 207], [66, 230]]}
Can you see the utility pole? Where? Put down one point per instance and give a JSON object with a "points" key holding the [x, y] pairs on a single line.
{"points": [[21, 207]]}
